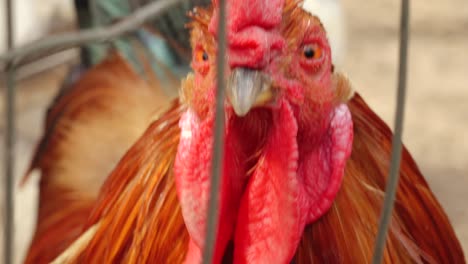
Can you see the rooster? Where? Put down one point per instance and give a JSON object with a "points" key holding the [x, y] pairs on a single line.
{"points": [[305, 163]]}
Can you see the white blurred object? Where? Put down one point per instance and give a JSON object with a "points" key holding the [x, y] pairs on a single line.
{"points": [[33, 19], [332, 16]]}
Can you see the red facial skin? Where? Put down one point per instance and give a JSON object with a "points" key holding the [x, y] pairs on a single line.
{"points": [[283, 165]]}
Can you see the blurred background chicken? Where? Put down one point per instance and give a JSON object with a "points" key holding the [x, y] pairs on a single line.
{"points": [[379, 44], [89, 127]]}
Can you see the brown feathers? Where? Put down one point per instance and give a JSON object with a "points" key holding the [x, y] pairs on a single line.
{"points": [[88, 129], [420, 231], [343, 88], [138, 211]]}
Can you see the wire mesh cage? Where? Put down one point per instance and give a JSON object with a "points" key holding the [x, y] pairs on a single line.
{"points": [[107, 25]]}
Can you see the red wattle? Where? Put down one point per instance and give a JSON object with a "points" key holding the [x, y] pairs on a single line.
{"points": [[192, 167], [321, 170], [294, 183], [289, 190], [268, 225]]}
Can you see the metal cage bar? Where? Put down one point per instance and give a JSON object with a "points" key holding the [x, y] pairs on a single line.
{"points": [[394, 175], [9, 217], [16, 57], [218, 150], [9, 181]]}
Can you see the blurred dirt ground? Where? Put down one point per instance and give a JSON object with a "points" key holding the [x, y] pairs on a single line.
{"points": [[436, 125]]}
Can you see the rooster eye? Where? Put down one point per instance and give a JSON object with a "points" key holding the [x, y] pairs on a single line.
{"points": [[200, 61], [312, 52], [201, 55]]}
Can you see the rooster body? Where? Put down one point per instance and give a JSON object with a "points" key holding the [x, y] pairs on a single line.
{"points": [[305, 163]]}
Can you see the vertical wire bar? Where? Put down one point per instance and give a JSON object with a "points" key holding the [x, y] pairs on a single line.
{"points": [[9, 235], [9, 239], [218, 149], [84, 21], [97, 51], [392, 182]]}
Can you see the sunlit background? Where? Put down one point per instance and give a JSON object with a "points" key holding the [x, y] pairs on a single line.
{"points": [[365, 38]]}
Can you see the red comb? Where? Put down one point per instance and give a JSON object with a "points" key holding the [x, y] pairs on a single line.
{"points": [[252, 31]]}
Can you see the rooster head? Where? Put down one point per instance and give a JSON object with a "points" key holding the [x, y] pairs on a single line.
{"points": [[288, 133]]}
